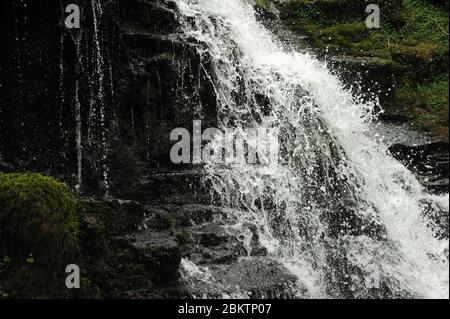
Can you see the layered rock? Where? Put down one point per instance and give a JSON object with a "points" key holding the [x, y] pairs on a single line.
{"points": [[136, 251]]}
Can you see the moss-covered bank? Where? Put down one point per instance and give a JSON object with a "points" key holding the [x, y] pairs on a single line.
{"points": [[413, 41]]}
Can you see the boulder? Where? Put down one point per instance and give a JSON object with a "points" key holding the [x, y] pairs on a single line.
{"points": [[38, 235], [429, 162]]}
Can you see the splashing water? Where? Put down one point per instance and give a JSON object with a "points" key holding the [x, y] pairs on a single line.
{"points": [[341, 214]]}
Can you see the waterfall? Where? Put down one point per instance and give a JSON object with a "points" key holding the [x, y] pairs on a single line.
{"points": [[338, 210]]}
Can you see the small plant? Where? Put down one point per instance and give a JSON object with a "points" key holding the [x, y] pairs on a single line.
{"points": [[3, 263], [6, 260], [30, 260]]}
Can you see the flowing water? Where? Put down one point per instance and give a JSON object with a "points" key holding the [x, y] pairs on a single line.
{"points": [[78, 132], [338, 211]]}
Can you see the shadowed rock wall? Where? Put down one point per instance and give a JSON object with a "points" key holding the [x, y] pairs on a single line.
{"points": [[121, 83]]}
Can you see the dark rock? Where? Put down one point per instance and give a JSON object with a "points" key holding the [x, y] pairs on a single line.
{"points": [[160, 253], [6, 167], [373, 74], [135, 251], [123, 259], [394, 117], [174, 187], [266, 10], [151, 82], [114, 216], [213, 243], [430, 162], [438, 216], [163, 217], [443, 3]]}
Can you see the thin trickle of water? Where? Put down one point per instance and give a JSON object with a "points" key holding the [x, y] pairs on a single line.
{"points": [[342, 215], [158, 77], [78, 126], [98, 61], [113, 96], [78, 140], [61, 82], [97, 121], [133, 125], [61, 73]]}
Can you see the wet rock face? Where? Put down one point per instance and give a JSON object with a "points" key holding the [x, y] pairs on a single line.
{"points": [[168, 251], [28, 108], [438, 215], [6, 167], [128, 75], [373, 74], [429, 162]]}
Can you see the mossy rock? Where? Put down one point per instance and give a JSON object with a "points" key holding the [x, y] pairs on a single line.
{"points": [[263, 4], [329, 12], [427, 103], [343, 35], [421, 60], [38, 233]]}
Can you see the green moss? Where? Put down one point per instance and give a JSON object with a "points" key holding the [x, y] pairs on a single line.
{"points": [[330, 12], [432, 96], [427, 103], [343, 34], [262, 3], [417, 18], [38, 231], [425, 21]]}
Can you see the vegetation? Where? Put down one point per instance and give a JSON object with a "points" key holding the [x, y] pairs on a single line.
{"points": [[38, 233], [261, 3], [413, 37], [429, 101]]}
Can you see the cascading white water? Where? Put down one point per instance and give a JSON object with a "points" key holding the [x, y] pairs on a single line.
{"points": [[338, 211]]}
